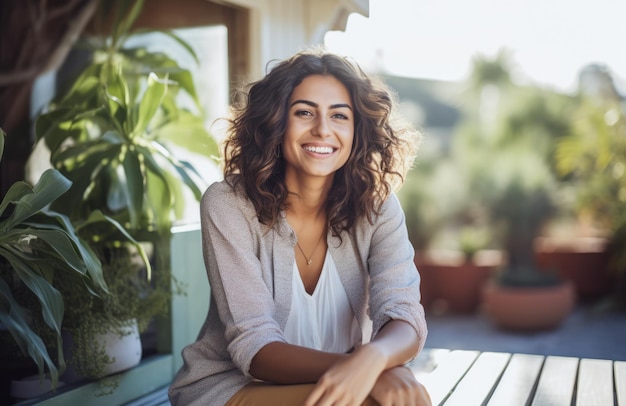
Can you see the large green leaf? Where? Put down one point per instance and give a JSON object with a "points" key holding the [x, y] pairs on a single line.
{"points": [[188, 131], [80, 250], [184, 169], [150, 102], [181, 167], [86, 157], [161, 197], [14, 318], [85, 89], [50, 186], [48, 296], [48, 127], [134, 184], [89, 257], [15, 193], [101, 221], [118, 100], [177, 192], [60, 242]]}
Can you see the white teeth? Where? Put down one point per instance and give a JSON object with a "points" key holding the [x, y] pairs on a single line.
{"points": [[319, 150]]}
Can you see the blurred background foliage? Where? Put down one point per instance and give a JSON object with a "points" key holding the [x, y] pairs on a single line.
{"points": [[518, 162]]}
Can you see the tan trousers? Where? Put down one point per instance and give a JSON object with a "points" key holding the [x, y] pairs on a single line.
{"points": [[267, 394]]}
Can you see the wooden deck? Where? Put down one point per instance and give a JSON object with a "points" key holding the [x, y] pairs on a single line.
{"points": [[502, 379], [473, 378]]}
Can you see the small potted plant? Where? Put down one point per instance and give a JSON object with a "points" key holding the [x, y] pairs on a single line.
{"points": [[462, 270]]}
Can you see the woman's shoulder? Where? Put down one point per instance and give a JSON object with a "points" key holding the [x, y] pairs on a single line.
{"points": [[388, 208], [226, 195]]}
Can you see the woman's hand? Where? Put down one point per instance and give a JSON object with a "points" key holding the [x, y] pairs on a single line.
{"points": [[398, 387], [350, 380]]}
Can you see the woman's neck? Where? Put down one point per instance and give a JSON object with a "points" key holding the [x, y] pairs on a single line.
{"points": [[307, 197]]}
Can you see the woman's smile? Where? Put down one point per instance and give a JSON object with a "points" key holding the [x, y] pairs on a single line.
{"points": [[319, 149]]}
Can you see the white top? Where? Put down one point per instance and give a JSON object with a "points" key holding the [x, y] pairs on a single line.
{"points": [[324, 320]]}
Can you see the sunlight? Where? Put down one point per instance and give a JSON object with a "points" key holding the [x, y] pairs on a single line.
{"points": [[549, 41]]}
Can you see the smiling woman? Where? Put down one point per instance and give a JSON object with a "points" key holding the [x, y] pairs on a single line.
{"points": [[313, 284]]}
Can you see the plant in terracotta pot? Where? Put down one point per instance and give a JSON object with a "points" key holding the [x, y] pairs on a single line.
{"points": [[594, 157], [463, 268], [522, 297], [503, 148]]}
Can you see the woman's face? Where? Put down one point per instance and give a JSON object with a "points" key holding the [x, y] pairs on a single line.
{"points": [[320, 128]]}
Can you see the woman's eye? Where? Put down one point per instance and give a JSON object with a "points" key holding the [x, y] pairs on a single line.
{"points": [[340, 116], [303, 113]]}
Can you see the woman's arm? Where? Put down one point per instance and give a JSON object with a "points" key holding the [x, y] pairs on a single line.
{"points": [[284, 363], [352, 379], [398, 343]]}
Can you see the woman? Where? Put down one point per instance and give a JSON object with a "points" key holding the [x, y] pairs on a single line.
{"points": [[314, 294]]}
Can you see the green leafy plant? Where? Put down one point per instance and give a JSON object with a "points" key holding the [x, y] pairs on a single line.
{"points": [[111, 133], [114, 133], [37, 246], [472, 239], [594, 156], [504, 149]]}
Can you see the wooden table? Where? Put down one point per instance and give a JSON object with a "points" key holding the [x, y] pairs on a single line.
{"points": [[471, 378]]}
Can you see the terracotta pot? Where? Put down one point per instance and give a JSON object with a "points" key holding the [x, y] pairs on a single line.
{"points": [[584, 261], [450, 283], [528, 308]]}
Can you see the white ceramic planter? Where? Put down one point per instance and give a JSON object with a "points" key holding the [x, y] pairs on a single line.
{"points": [[125, 350]]}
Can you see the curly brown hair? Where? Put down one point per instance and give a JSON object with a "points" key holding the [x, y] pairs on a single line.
{"points": [[382, 151]]}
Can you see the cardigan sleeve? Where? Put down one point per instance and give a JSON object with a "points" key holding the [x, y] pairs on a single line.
{"points": [[394, 292], [231, 242]]}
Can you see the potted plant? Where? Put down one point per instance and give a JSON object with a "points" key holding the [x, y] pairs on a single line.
{"points": [[593, 155], [522, 297], [38, 247], [111, 134], [461, 270], [503, 147]]}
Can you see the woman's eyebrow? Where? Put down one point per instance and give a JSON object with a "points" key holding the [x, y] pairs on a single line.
{"points": [[315, 105]]}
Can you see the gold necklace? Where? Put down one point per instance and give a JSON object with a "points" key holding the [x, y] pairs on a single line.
{"points": [[309, 260]]}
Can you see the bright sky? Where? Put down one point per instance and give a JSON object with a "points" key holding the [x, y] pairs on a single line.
{"points": [[549, 40]]}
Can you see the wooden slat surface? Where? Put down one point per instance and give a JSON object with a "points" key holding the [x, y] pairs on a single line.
{"points": [[595, 383], [447, 374], [557, 381], [471, 378], [479, 381], [619, 369], [518, 381]]}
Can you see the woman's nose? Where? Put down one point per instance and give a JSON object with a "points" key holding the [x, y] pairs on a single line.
{"points": [[322, 128]]}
